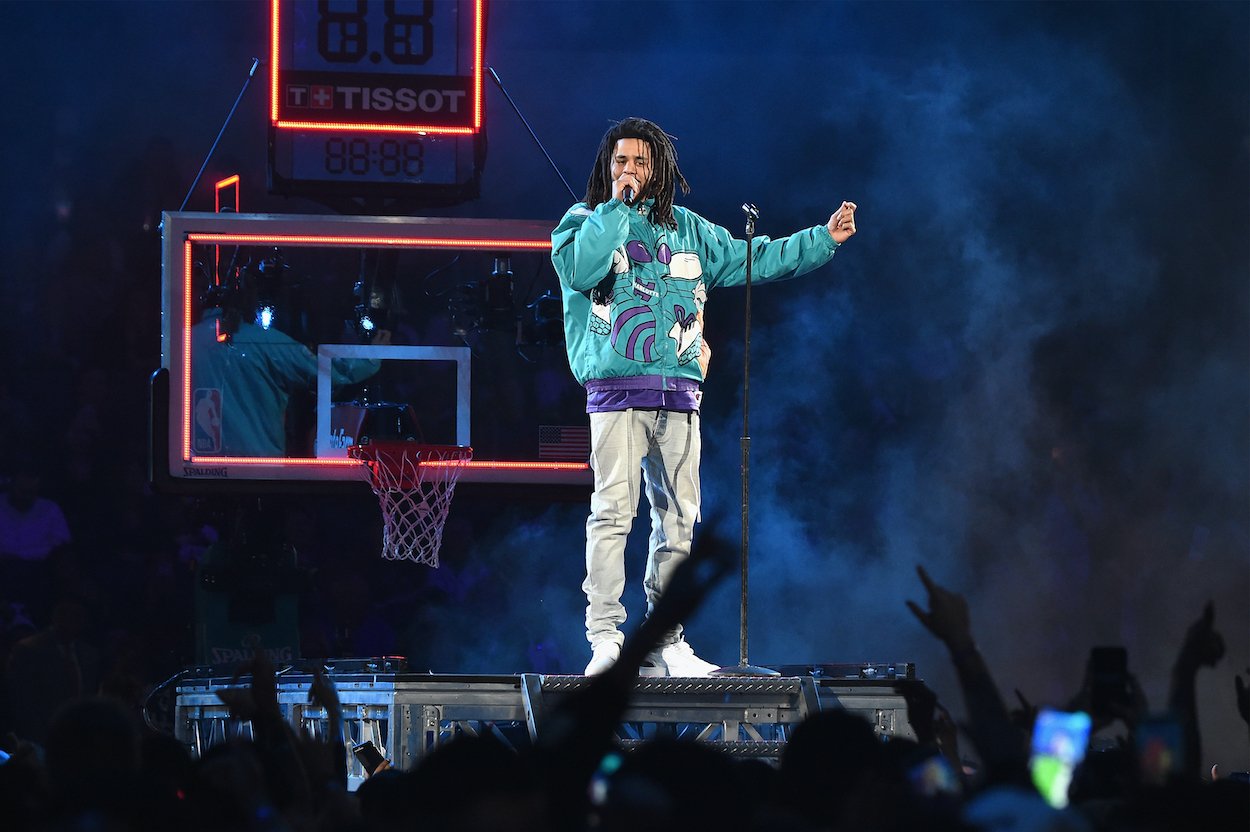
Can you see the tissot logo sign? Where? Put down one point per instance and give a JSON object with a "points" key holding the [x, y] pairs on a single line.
{"points": [[393, 100]]}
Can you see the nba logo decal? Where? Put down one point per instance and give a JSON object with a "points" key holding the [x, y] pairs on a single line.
{"points": [[206, 421]]}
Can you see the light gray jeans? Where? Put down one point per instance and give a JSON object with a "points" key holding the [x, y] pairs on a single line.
{"points": [[664, 446]]}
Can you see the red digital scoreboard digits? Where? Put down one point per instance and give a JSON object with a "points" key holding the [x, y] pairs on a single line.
{"points": [[376, 96]]}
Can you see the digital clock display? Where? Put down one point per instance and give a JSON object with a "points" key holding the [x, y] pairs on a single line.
{"points": [[359, 156], [374, 157]]}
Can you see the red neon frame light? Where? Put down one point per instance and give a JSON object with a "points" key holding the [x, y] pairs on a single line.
{"points": [[221, 186], [217, 189], [377, 242], [328, 241], [479, 34]]}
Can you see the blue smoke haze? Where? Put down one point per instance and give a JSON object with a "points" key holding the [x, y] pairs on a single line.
{"points": [[1029, 372]]}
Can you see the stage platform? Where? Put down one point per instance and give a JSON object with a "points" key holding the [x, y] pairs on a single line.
{"points": [[407, 714]]}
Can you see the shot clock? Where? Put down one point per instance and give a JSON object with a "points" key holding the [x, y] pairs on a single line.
{"points": [[376, 97]]}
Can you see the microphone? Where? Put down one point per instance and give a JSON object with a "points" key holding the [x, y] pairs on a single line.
{"points": [[628, 194]]}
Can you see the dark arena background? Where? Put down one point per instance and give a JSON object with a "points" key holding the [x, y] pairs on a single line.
{"points": [[1028, 372]]}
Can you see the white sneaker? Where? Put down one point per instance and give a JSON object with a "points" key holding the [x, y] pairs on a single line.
{"points": [[602, 657], [682, 661], [653, 665]]}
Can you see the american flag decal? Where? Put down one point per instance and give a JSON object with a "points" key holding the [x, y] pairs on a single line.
{"points": [[564, 443]]}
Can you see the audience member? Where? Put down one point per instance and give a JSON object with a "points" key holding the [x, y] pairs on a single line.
{"points": [[50, 669], [33, 530]]}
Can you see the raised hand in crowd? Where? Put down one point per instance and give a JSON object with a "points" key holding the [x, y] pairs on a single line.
{"points": [[947, 616], [1125, 703], [930, 721], [275, 740], [1001, 744], [1243, 697], [327, 759], [1203, 647], [947, 734], [922, 705], [1024, 715]]}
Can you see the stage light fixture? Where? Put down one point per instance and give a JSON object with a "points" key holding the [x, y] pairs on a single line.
{"points": [[485, 305], [371, 306], [546, 321], [267, 276], [500, 313]]}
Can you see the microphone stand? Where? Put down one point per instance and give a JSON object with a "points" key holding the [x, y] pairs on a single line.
{"points": [[744, 667]]}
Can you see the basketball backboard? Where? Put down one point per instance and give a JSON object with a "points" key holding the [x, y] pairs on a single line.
{"points": [[275, 367]]}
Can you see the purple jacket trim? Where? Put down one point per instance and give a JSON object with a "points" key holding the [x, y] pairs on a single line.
{"points": [[605, 395]]}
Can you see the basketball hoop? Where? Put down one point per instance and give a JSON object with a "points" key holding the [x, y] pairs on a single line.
{"points": [[414, 484]]}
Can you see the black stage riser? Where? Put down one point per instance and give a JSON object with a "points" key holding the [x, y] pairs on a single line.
{"points": [[408, 715]]}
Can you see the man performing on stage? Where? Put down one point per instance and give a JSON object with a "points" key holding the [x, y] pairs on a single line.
{"points": [[635, 271]]}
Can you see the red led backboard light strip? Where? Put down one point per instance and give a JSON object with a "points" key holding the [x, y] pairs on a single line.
{"points": [[275, 460], [329, 241], [481, 465], [217, 189], [186, 350], [421, 129], [479, 35], [221, 186], [489, 465]]}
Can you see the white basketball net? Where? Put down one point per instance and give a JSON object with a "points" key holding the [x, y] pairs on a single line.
{"points": [[414, 484]]}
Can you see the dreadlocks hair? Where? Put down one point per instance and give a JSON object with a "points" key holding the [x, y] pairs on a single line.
{"points": [[665, 175]]}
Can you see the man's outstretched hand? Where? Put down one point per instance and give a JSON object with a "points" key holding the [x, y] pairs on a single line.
{"points": [[1000, 743], [1243, 697], [842, 223]]}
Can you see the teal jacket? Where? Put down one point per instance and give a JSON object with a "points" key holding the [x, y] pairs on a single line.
{"points": [[633, 291]]}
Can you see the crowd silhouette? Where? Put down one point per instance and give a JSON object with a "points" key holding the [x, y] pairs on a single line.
{"points": [[97, 767]]}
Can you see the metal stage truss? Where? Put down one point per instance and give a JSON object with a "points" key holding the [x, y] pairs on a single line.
{"points": [[407, 715]]}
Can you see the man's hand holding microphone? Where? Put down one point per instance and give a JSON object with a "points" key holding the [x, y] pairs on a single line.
{"points": [[626, 187]]}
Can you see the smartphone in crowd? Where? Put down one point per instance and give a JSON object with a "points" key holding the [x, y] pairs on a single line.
{"points": [[1059, 743], [370, 758], [933, 777], [1159, 741]]}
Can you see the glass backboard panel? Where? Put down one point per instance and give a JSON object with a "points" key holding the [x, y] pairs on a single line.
{"points": [[288, 338]]}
